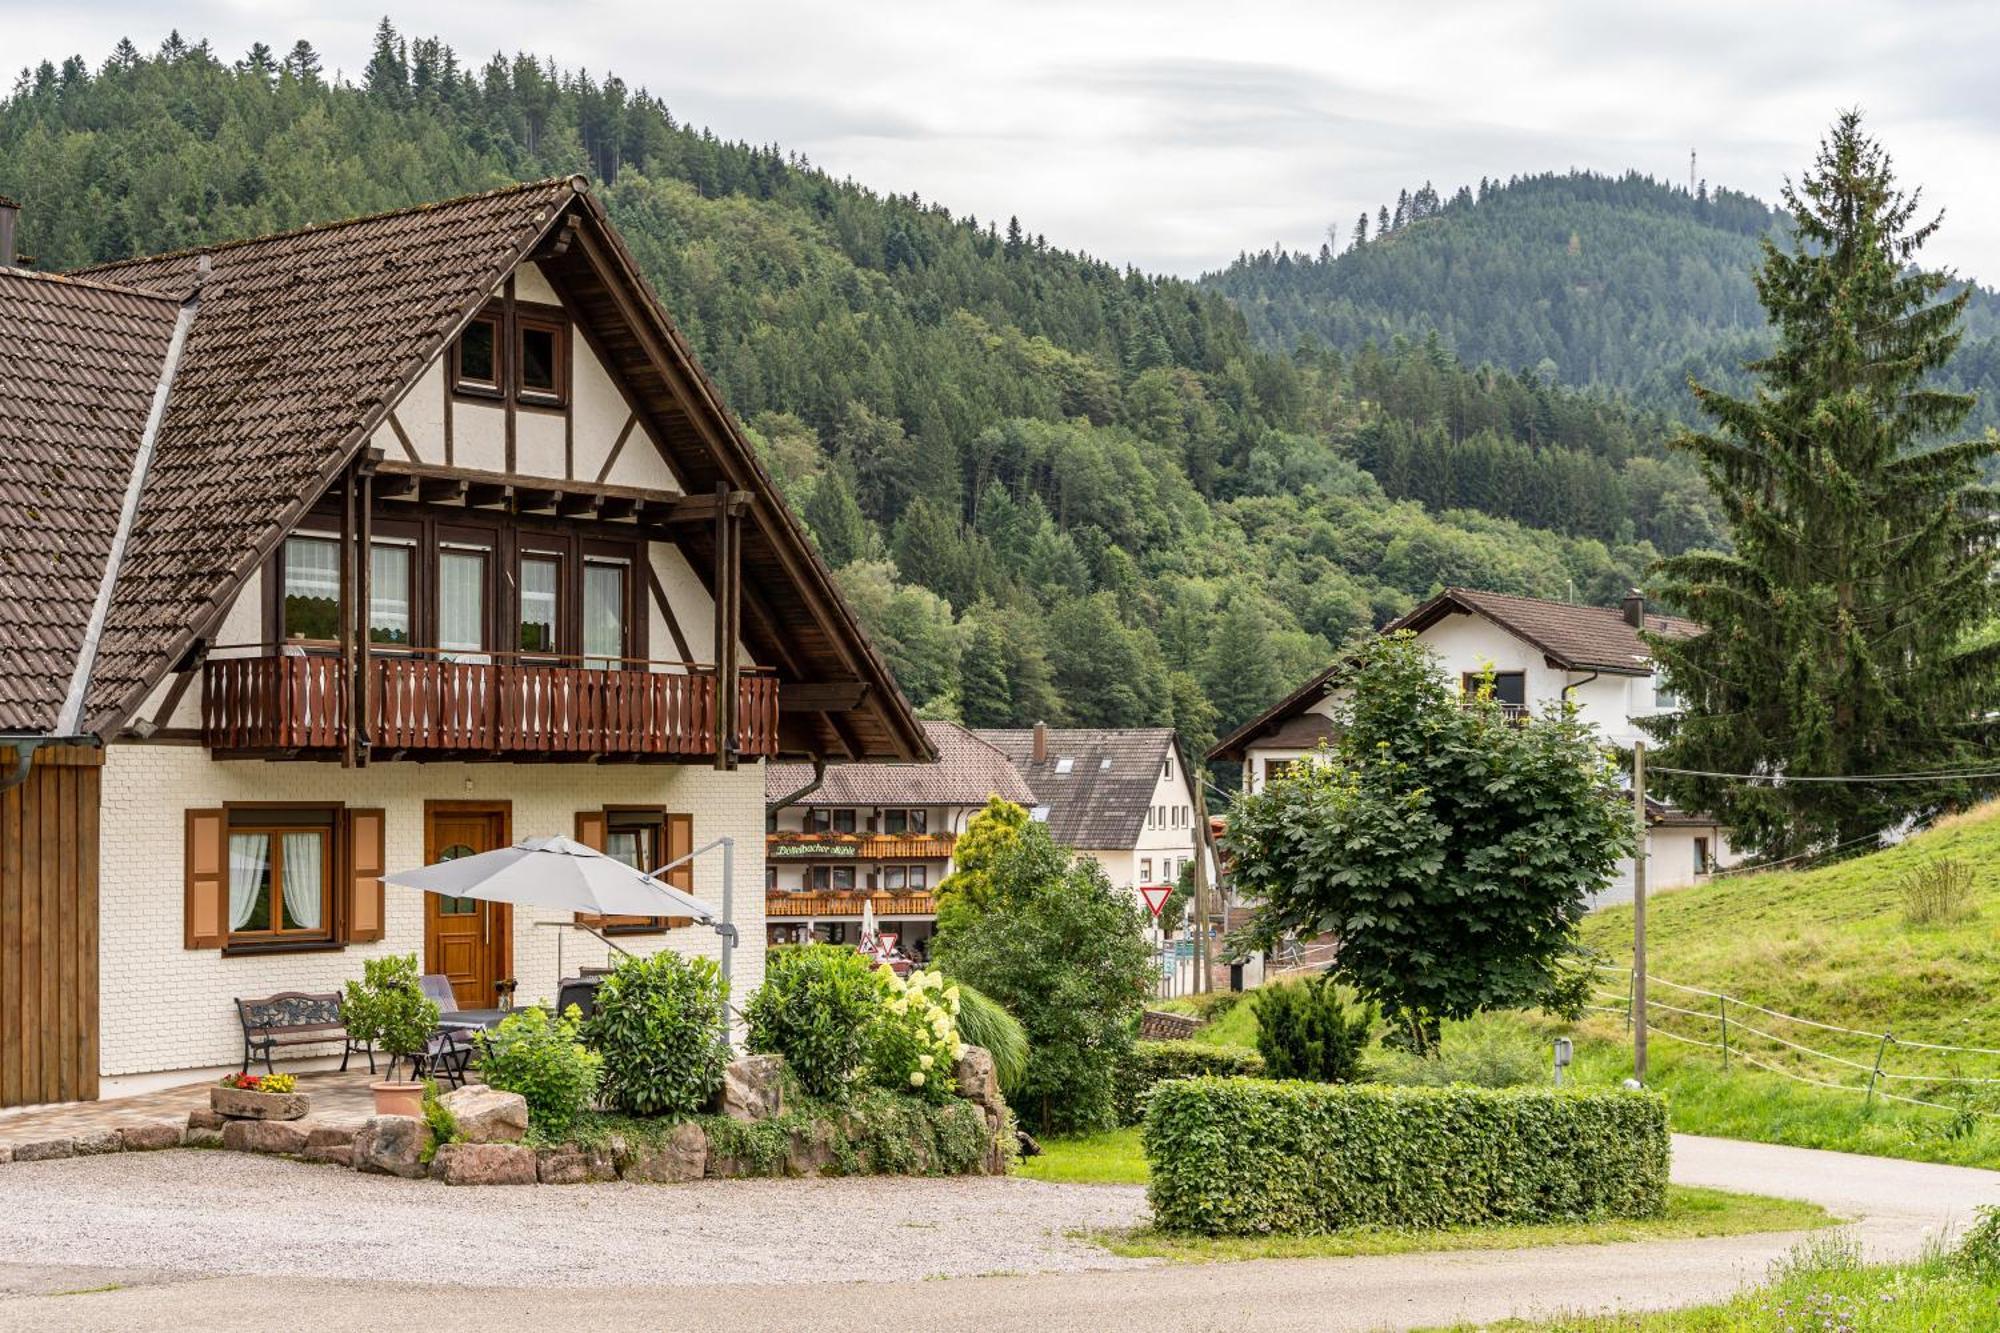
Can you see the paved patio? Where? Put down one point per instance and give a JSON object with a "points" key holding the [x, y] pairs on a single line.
{"points": [[335, 1096]]}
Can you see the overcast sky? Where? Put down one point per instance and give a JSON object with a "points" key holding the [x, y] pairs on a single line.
{"points": [[1173, 135]]}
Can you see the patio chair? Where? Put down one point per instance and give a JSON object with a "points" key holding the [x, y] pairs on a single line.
{"points": [[579, 991], [449, 1051]]}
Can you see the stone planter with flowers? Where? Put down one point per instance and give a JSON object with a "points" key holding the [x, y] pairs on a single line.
{"points": [[259, 1097]]}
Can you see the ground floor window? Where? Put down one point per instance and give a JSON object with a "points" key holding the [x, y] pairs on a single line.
{"points": [[280, 876]]}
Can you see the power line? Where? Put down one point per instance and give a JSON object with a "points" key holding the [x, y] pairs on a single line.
{"points": [[1852, 779]]}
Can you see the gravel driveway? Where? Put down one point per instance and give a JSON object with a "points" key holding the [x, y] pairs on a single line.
{"points": [[188, 1212]]}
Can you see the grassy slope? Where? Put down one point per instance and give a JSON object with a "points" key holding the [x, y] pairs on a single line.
{"points": [[1829, 944]]}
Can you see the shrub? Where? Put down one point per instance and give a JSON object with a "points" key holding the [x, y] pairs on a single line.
{"points": [[1305, 1031], [983, 1021], [1065, 953], [441, 1122], [1978, 1252], [1938, 892], [658, 1023], [388, 1007], [1248, 1156], [544, 1059], [1154, 1062], [1486, 1055], [914, 1045], [816, 1008]]}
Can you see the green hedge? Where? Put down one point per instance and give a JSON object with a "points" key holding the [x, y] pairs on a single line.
{"points": [[1249, 1156], [1153, 1061]]}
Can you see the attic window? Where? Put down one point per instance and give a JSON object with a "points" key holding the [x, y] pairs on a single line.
{"points": [[543, 348], [478, 356], [1065, 765], [1104, 765]]}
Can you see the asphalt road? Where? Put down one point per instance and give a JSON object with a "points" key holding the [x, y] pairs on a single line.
{"points": [[1896, 1206]]}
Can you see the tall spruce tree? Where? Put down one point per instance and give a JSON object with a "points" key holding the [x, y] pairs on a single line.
{"points": [[1841, 635]]}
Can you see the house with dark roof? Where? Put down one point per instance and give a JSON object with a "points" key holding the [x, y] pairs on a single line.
{"points": [[1121, 796], [356, 548], [1539, 652], [874, 835]]}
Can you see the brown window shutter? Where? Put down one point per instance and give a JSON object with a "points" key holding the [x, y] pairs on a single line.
{"points": [[590, 831], [366, 864], [207, 879], [680, 841]]}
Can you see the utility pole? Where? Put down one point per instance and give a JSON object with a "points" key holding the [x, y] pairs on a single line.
{"points": [[1204, 847], [1639, 911]]}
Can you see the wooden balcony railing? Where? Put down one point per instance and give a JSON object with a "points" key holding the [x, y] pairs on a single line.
{"points": [[426, 704], [808, 846], [821, 906]]}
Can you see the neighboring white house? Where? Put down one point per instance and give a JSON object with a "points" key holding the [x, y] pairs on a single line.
{"points": [[368, 546], [1120, 796], [1540, 653], [874, 834]]}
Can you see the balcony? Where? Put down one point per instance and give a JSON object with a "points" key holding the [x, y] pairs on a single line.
{"points": [[819, 906], [858, 846], [431, 706]]}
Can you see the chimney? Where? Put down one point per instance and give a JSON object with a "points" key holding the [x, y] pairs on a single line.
{"points": [[1635, 609], [10, 216], [1041, 754]]}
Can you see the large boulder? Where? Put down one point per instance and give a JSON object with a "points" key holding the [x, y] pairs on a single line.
{"points": [[487, 1115], [274, 1136], [978, 1081], [392, 1145], [485, 1164], [683, 1156], [249, 1104], [753, 1088], [809, 1151]]}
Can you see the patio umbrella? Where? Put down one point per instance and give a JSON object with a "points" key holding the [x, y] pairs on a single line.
{"points": [[558, 873], [868, 940]]}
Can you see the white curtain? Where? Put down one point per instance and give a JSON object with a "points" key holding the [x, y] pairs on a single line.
{"points": [[462, 603], [304, 880], [603, 614], [623, 845], [389, 593], [312, 568], [538, 604], [249, 876]]}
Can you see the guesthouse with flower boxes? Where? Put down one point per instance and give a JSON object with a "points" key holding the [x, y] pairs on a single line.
{"points": [[361, 547]]}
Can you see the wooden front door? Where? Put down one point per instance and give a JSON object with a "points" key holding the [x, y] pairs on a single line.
{"points": [[467, 940]]}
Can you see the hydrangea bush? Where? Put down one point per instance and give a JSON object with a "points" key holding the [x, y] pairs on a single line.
{"points": [[915, 1045]]}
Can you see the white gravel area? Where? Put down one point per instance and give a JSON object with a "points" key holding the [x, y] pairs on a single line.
{"points": [[189, 1213]]}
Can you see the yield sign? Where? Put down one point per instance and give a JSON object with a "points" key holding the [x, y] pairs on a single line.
{"points": [[1156, 896]]}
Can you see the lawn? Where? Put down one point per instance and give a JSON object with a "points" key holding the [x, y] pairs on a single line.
{"points": [[1111, 1158], [1823, 1289]]}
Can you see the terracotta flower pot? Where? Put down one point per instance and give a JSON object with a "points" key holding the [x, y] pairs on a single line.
{"points": [[398, 1098]]}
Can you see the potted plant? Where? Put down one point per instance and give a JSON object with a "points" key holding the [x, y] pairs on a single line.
{"points": [[388, 1007]]}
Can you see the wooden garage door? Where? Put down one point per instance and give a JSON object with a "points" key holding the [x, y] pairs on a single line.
{"points": [[48, 930]]}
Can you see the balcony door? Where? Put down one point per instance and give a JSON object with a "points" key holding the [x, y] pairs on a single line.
{"points": [[469, 941]]}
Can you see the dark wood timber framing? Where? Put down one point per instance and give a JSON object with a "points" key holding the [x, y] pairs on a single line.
{"points": [[48, 930], [728, 620]]}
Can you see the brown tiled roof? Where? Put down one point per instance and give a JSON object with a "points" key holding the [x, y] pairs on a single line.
{"points": [[302, 343], [1580, 638], [967, 772], [1098, 801], [1584, 638], [79, 362]]}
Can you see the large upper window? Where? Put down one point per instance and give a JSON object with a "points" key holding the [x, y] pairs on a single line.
{"points": [[544, 348], [311, 576], [604, 598], [462, 602], [280, 864], [905, 821], [833, 821], [541, 581], [389, 592]]}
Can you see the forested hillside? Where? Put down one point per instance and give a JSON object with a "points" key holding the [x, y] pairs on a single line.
{"points": [[1623, 283], [1054, 489]]}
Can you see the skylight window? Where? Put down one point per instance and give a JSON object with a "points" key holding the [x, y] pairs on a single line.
{"points": [[1104, 765], [1065, 765]]}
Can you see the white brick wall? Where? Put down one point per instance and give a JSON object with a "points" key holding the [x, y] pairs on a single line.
{"points": [[163, 1006]]}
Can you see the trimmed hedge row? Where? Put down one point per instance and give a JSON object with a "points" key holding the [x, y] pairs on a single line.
{"points": [[1154, 1062], [1247, 1156]]}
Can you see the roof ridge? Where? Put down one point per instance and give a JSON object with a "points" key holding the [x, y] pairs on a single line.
{"points": [[91, 284], [576, 180]]}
